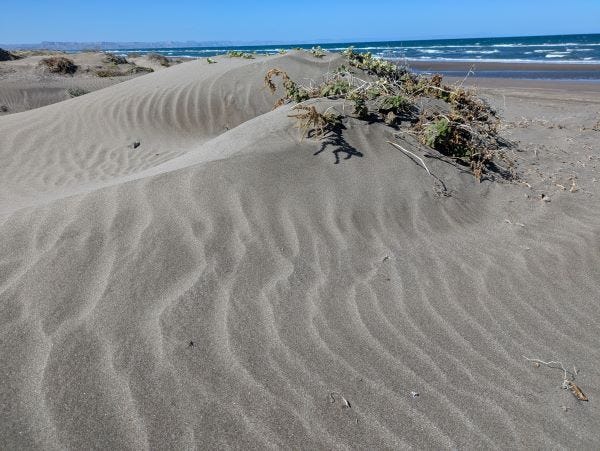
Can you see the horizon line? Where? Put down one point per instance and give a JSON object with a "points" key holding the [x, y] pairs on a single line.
{"points": [[210, 43]]}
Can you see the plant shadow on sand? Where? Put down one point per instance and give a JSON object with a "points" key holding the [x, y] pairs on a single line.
{"points": [[335, 138]]}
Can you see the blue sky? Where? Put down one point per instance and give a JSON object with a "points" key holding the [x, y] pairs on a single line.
{"points": [[28, 21]]}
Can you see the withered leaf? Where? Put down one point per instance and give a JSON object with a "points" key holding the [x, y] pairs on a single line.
{"points": [[577, 392]]}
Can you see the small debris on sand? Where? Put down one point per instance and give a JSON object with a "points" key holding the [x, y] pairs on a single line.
{"points": [[345, 403]]}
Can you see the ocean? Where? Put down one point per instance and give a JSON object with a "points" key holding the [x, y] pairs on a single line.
{"points": [[583, 49]]}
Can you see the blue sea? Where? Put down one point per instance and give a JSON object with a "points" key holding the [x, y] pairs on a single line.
{"points": [[583, 48]]}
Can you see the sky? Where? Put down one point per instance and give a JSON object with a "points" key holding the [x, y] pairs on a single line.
{"points": [[29, 21]]}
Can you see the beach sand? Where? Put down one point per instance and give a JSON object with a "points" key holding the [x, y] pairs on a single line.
{"points": [[225, 284], [25, 85], [589, 73]]}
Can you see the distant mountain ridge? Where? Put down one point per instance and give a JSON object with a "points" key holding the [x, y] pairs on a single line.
{"points": [[107, 45]]}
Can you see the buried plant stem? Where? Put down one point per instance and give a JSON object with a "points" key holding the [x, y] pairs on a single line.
{"points": [[549, 365], [399, 147], [568, 383]]}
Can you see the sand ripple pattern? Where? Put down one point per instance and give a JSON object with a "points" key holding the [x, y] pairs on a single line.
{"points": [[293, 281], [220, 303], [87, 142]]}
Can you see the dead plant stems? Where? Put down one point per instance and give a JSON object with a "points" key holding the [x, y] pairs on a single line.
{"points": [[408, 152]]}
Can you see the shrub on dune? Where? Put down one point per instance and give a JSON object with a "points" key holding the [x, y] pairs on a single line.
{"points": [[115, 59], [239, 54], [160, 59], [450, 119], [76, 92], [5, 55], [59, 65], [140, 70], [115, 72]]}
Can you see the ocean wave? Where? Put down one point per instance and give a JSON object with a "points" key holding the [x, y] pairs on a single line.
{"points": [[475, 50], [499, 60], [562, 44], [481, 52]]}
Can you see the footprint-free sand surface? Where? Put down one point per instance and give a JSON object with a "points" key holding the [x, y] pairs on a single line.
{"points": [[225, 284]]}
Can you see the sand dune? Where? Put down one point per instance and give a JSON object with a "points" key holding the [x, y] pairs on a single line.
{"points": [[221, 285], [88, 141], [26, 85]]}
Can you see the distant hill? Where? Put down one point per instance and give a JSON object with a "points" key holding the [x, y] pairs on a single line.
{"points": [[105, 45]]}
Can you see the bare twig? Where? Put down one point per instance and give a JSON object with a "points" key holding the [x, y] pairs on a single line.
{"points": [[568, 382], [471, 72], [549, 365], [399, 147]]}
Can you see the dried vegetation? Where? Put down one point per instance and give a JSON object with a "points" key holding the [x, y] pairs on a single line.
{"points": [[5, 55], [76, 92], [112, 58], [315, 124], [59, 65], [160, 59], [450, 119]]}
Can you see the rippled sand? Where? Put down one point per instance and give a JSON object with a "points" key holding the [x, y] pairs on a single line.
{"points": [[222, 286]]}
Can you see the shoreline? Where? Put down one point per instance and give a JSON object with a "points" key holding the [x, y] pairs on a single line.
{"points": [[554, 71]]}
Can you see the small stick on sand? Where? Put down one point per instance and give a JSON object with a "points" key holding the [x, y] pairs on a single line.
{"points": [[549, 365], [399, 147], [568, 383]]}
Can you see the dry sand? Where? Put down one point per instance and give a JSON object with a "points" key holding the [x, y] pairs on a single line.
{"points": [[220, 285], [24, 85]]}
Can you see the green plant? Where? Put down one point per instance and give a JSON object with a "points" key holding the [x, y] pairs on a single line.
{"points": [[210, 61], [318, 52], [381, 90], [361, 110], [76, 92], [282, 51], [436, 135], [397, 104], [311, 120], [453, 138], [239, 54], [59, 65], [372, 65], [336, 87], [292, 91]]}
